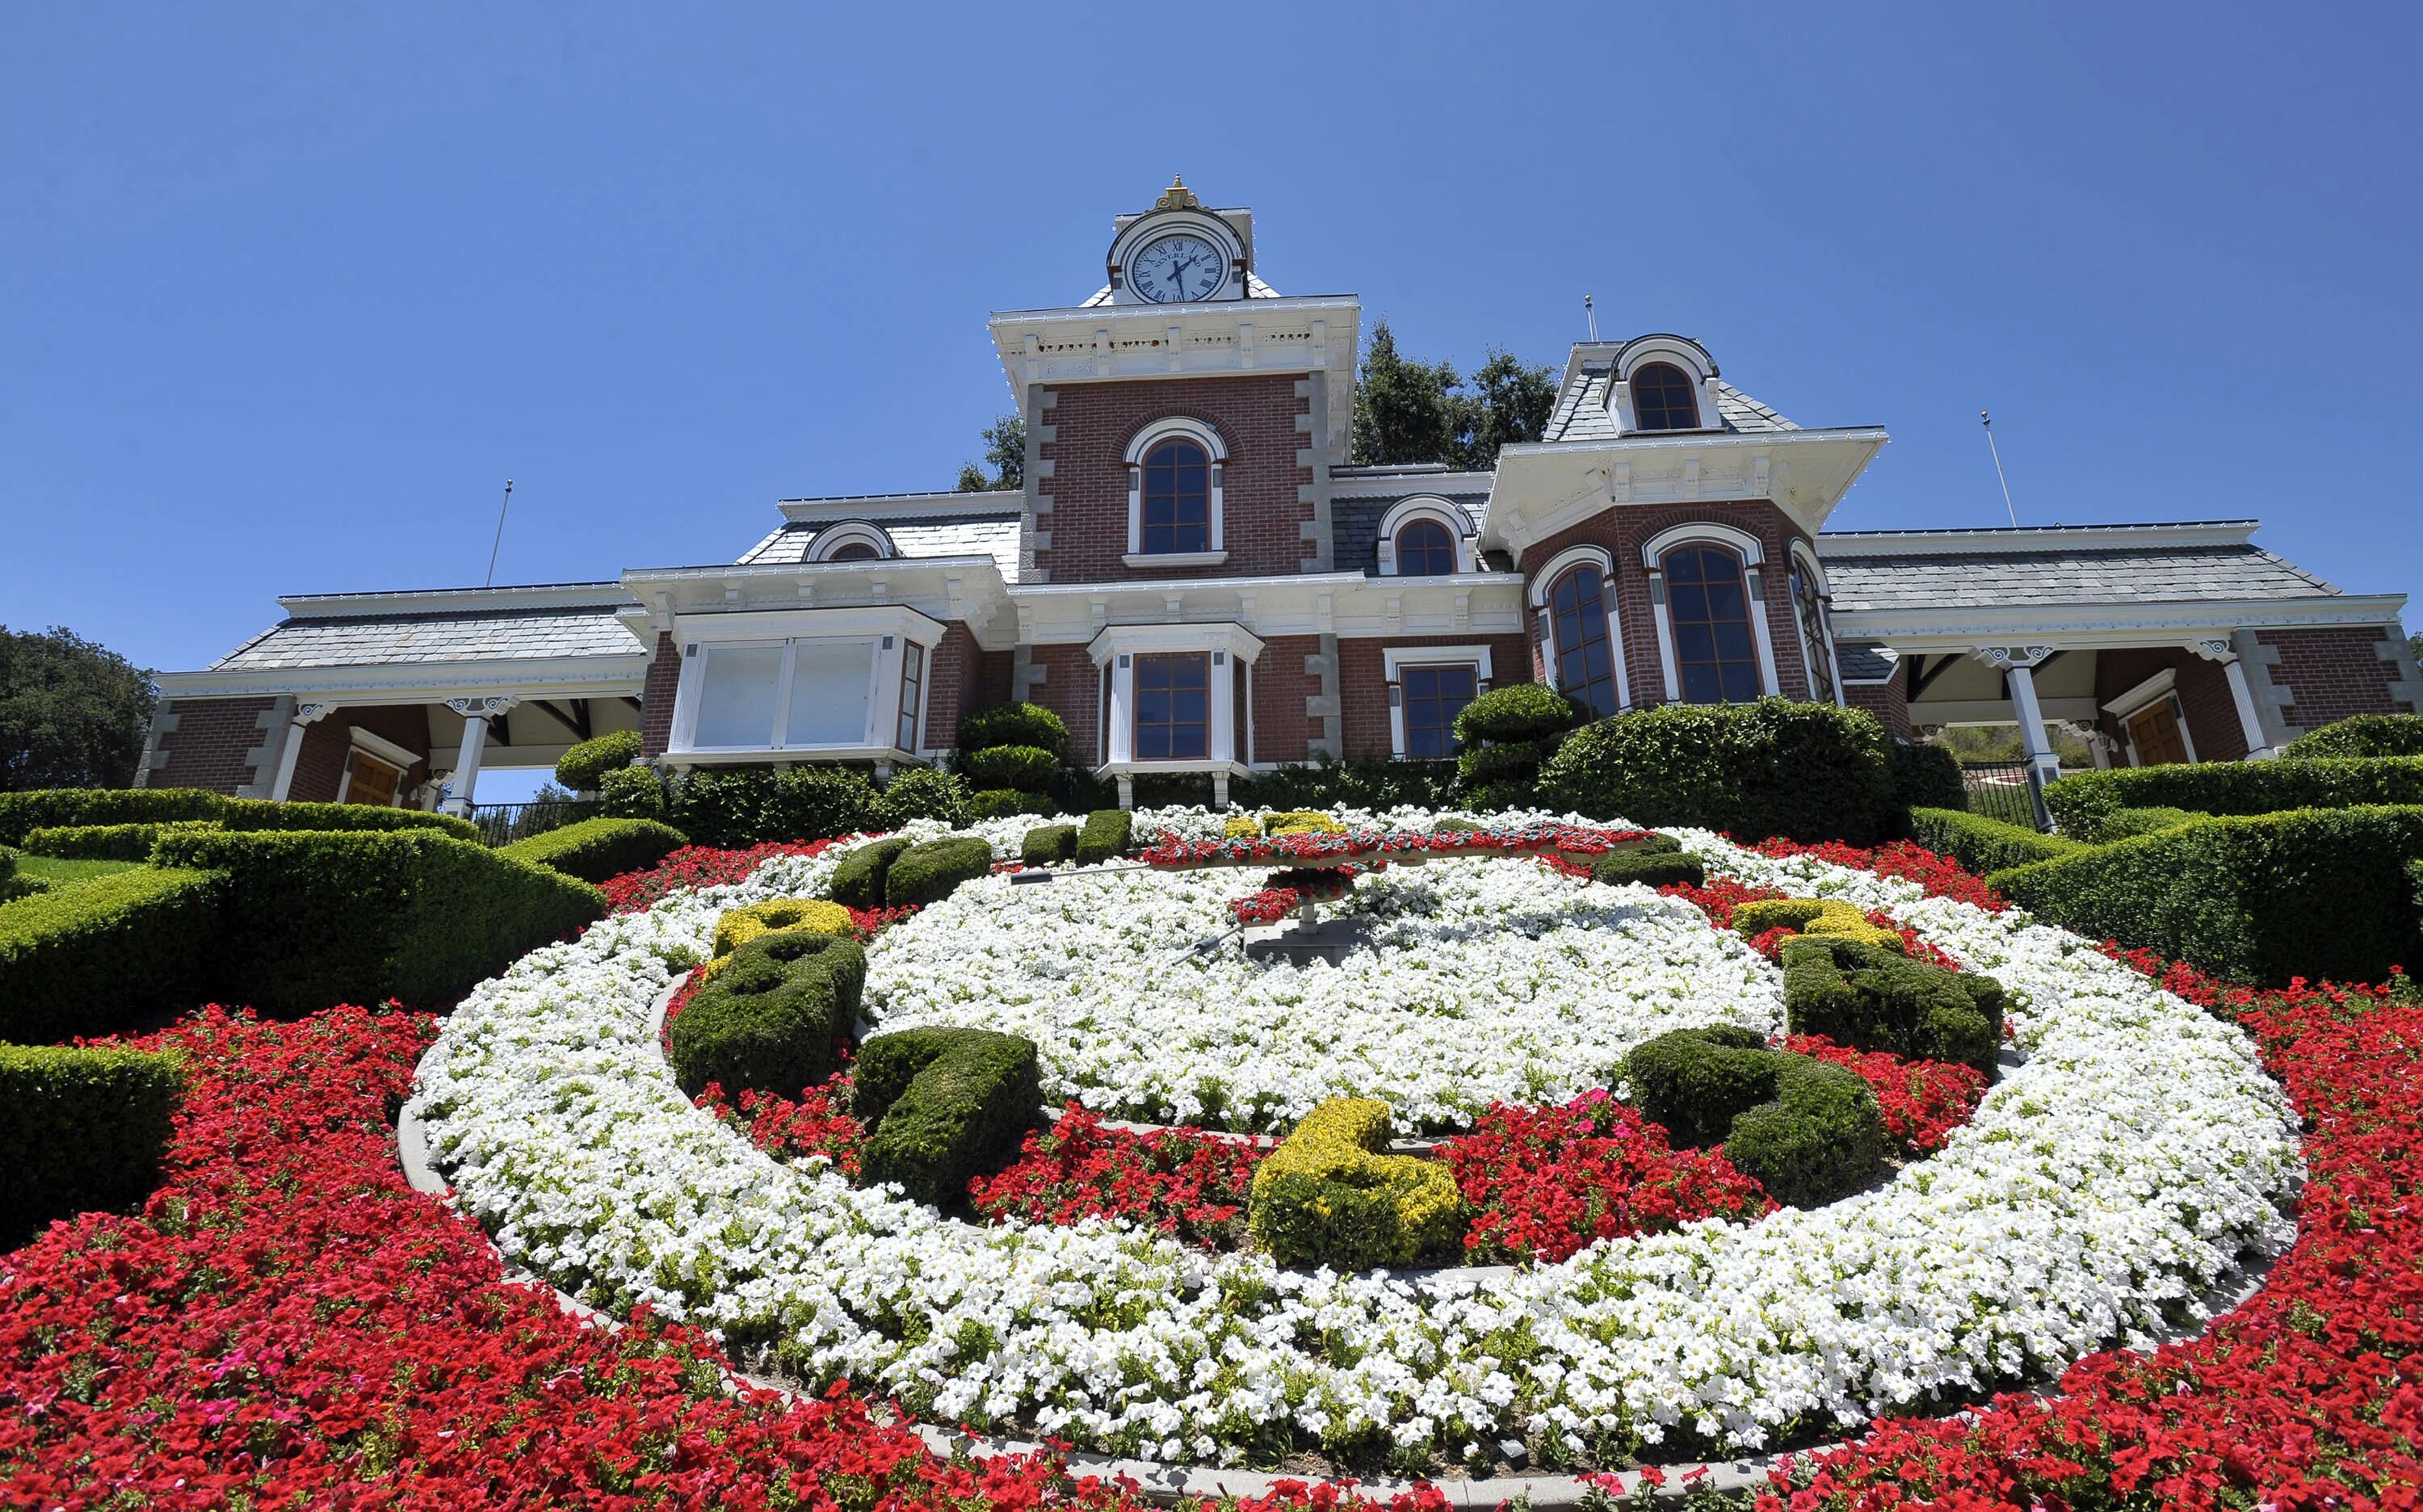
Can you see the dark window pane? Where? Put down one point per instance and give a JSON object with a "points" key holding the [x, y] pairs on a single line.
{"points": [[1172, 707], [1585, 655], [1716, 651], [1425, 550], [1176, 508], [1663, 400]]}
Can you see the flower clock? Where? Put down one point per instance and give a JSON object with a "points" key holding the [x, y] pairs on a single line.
{"points": [[1647, 1300]]}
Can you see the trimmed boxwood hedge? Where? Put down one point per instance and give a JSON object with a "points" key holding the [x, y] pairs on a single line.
{"points": [[1865, 996], [79, 1129], [57, 807], [768, 1020], [2360, 735], [942, 1105], [103, 842], [1983, 844], [1047, 843], [632, 793], [249, 814], [92, 958], [2082, 801], [1810, 771], [1026, 768], [1926, 775], [858, 881], [2319, 893], [1105, 836], [1328, 1196], [596, 849], [317, 917], [2122, 823], [1518, 711], [1806, 1130], [1013, 725], [586, 764], [1650, 867], [922, 792], [930, 872], [1326, 783], [737, 806]]}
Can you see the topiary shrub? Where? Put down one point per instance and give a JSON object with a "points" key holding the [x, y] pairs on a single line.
{"points": [[583, 767], [1047, 844], [734, 808], [91, 959], [1810, 771], [20, 814], [1814, 916], [1327, 1196], [1518, 711], [1026, 768], [737, 927], [1983, 844], [1806, 1130], [942, 1106], [2360, 735], [2123, 823], [103, 842], [922, 792], [596, 849], [1002, 802], [1649, 869], [633, 792], [930, 872], [1105, 836], [767, 1019], [1927, 775], [858, 881], [1875, 998], [1016, 724], [79, 1129]]}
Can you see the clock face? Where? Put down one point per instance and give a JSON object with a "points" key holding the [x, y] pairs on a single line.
{"points": [[1178, 267]]}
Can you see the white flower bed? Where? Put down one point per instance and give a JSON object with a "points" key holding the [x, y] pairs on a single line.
{"points": [[2105, 1182]]}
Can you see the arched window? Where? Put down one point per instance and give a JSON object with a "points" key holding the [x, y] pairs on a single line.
{"points": [[1585, 655], [1176, 506], [854, 552], [1810, 607], [1425, 550], [1663, 399], [1716, 655]]}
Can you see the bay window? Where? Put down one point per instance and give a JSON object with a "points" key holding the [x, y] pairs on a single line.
{"points": [[856, 689]]}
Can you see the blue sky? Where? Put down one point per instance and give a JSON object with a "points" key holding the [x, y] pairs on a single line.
{"points": [[286, 294]]}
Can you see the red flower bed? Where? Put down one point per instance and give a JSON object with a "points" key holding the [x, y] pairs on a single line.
{"points": [[1924, 1101], [1186, 1184], [815, 1122], [1546, 1182], [701, 865], [1941, 876], [1719, 898]]}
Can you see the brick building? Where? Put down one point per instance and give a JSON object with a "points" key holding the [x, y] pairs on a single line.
{"points": [[1197, 580]]}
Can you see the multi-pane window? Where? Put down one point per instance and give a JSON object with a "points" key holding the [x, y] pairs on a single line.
{"points": [[1662, 398], [1173, 707], [1425, 550], [779, 694], [1177, 504], [1812, 611], [913, 693], [1715, 655], [854, 552], [1584, 654], [1431, 699]]}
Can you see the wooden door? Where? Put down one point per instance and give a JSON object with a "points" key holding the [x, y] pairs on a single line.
{"points": [[2154, 731], [372, 781]]}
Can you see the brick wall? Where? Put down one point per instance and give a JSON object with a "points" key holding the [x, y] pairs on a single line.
{"points": [[2203, 688], [1262, 511], [1363, 682], [1282, 730], [1888, 701], [2331, 674], [208, 742], [320, 769], [1624, 530], [957, 678], [1071, 688], [657, 698]]}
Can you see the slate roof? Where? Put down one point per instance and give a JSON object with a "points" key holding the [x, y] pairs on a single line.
{"points": [[1581, 413], [1864, 661], [1354, 517], [993, 535], [2056, 574], [391, 639]]}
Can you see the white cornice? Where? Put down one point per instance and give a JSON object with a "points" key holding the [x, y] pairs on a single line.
{"points": [[519, 599], [967, 588], [1347, 485], [1349, 605], [792, 622], [1545, 487], [1834, 543], [588, 676]]}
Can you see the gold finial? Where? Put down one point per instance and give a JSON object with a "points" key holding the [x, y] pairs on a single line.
{"points": [[1176, 196]]}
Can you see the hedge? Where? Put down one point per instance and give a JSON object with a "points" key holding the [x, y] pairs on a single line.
{"points": [[1026, 768], [769, 1019], [1508, 734], [249, 814], [1028, 725], [1518, 711], [633, 792], [922, 792], [92, 958], [586, 764], [1812, 916], [1327, 783], [103, 842], [58, 808], [1872, 997], [596, 849], [736, 926], [1651, 868], [314, 919], [858, 881], [2124, 823], [1105, 836], [2080, 801], [1809, 772], [942, 1105], [1327, 1196], [1927, 775], [737, 806], [930, 872], [79, 1129], [1002, 802], [2316, 893], [2360, 735], [1983, 844], [1046, 844], [1806, 1130]]}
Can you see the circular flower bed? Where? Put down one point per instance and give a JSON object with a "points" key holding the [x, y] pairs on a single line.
{"points": [[2097, 1190]]}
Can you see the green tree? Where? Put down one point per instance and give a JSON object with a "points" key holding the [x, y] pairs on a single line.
{"points": [[1412, 412], [72, 713], [1005, 452]]}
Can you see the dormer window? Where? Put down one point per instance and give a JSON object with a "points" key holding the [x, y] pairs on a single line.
{"points": [[854, 540], [1425, 550], [1177, 498], [1663, 399], [854, 552]]}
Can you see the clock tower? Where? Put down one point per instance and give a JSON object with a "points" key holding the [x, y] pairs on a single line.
{"points": [[1179, 252]]}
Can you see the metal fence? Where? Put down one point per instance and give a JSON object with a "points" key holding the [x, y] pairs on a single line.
{"points": [[2006, 790], [503, 823]]}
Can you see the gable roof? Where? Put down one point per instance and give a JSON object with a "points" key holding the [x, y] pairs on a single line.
{"points": [[443, 626], [1582, 413], [2058, 565]]}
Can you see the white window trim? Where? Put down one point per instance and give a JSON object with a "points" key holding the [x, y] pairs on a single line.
{"points": [[1558, 565], [696, 635], [1805, 559], [1459, 527], [1743, 544], [1144, 440], [1115, 650], [2178, 712], [2142, 694], [1394, 660], [849, 532], [1683, 356], [386, 749]]}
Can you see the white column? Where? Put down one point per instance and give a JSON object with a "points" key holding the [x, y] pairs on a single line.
{"points": [[2018, 661], [1224, 716], [476, 714], [2249, 724], [1122, 742], [292, 751]]}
